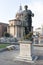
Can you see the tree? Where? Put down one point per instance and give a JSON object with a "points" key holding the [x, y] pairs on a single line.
{"points": [[6, 34]]}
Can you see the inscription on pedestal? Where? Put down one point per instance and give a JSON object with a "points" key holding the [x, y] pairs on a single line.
{"points": [[25, 50]]}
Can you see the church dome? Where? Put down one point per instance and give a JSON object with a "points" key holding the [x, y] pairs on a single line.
{"points": [[19, 13]]}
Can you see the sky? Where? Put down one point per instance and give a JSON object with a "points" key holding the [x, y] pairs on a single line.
{"points": [[9, 8]]}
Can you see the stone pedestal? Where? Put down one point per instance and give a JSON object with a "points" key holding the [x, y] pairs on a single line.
{"points": [[25, 50]]}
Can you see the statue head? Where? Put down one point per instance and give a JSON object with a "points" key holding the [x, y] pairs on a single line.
{"points": [[25, 7]]}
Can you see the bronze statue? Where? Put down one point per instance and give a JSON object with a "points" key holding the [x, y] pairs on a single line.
{"points": [[27, 19]]}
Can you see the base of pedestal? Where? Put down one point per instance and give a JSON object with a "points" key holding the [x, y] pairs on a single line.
{"points": [[27, 59]]}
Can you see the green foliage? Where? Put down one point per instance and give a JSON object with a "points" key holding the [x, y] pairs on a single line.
{"points": [[6, 34], [4, 45]]}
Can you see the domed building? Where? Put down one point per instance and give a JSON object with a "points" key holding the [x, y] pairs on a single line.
{"points": [[21, 25], [19, 13]]}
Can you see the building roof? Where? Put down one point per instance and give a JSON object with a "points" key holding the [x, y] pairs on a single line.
{"points": [[14, 20], [3, 23]]}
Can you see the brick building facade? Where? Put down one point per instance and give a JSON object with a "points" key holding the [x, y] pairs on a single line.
{"points": [[3, 29]]}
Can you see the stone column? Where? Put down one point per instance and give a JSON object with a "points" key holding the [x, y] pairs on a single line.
{"points": [[39, 41], [21, 32], [16, 31]]}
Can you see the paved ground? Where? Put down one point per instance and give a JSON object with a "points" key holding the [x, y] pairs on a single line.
{"points": [[8, 58]]}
